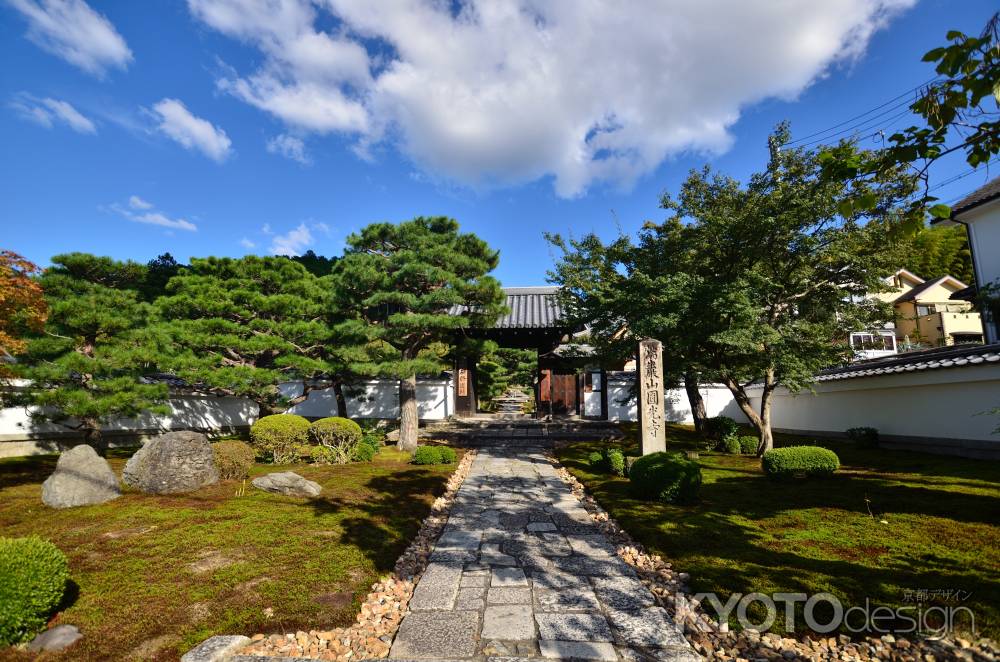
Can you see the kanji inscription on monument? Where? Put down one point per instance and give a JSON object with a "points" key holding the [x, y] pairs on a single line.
{"points": [[651, 414]]}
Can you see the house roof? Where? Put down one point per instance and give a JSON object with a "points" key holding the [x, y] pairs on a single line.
{"points": [[530, 308], [985, 193], [928, 359], [905, 272], [926, 285]]}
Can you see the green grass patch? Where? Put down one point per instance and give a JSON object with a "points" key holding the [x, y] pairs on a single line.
{"points": [[154, 575], [748, 533]]}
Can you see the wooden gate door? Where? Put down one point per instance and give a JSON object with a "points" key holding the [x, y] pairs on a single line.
{"points": [[564, 388]]}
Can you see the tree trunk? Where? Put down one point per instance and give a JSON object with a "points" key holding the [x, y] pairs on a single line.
{"points": [[697, 403], [338, 391], [91, 429], [743, 400], [407, 414], [766, 436]]}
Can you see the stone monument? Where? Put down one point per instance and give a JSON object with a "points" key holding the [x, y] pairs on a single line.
{"points": [[649, 364]]}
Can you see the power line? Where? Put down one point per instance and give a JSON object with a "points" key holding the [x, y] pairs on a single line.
{"points": [[890, 102], [865, 127]]}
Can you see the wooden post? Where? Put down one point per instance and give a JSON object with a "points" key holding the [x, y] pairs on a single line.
{"points": [[649, 364]]}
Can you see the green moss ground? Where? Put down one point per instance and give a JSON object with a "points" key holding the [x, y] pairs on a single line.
{"points": [[749, 533], [154, 575]]}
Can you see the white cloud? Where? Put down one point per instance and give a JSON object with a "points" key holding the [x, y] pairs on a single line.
{"points": [[266, 229], [140, 211], [135, 202], [496, 93], [290, 147], [73, 31], [247, 244], [193, 132], [48, 112], [294, 242]]}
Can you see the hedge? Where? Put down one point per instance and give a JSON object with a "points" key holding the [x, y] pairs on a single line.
{"points": [[799, 461], [33, 576], [433, 455], [731, 445], [281, 436], [748, 444], [720, 427], [666, 477]]}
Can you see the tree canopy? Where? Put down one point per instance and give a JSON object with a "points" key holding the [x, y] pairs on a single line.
{"points": [[397, 286], [243, 326], [22, 307], [87, 367]]}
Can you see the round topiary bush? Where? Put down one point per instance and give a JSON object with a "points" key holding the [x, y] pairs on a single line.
{"points": [[33, 576], [447, 454], [730, 445], [666, 477], [233, 459], [340, 435], [799, 461], [863, 437], [427, 455], [596, 460], [616, 461], [280, 436], [748, 444]]}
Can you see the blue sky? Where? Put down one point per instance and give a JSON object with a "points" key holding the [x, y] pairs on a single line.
{"points": [[226, 127]]}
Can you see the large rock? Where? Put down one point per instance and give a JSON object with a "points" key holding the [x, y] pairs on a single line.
{"points": [[171, 463], [82, 478], [56, 639], [288, 483]]}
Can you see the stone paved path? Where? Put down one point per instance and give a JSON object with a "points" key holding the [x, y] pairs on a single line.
{"points": [[521, 571]]}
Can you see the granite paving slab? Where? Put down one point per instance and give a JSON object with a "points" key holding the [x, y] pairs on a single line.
{"points": [[522, 572]]}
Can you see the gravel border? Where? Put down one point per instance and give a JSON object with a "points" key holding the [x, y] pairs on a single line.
{"points": [[716, 642], [383, 608]]}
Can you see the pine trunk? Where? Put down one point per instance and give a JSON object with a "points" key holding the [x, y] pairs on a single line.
{"points": [[697, 403], [408, 414], [338, 391], [91, 429]]}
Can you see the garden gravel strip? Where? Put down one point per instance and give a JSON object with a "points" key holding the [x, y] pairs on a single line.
{"points": [[523, 564]]}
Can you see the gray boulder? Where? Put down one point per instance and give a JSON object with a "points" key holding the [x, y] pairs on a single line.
{"points": [[171, 463], [288, 483], [82, 478], [56, 639]]}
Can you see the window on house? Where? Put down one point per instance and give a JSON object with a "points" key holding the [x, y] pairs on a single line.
{"points": [[865, 341], [924, 310]]}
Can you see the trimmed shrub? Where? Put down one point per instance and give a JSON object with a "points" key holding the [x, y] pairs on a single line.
{"points": [[33, 576], [447, 454], [596, 460], [233, 459], [323, 455], [730, 445], [616, 461], [427, 455], [863, 437], [720, 427], [799, 461], [666, 477], [279, 436], [363, 453], [748, 444], [339, 435]]}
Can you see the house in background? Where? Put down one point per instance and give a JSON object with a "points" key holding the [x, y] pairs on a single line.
{"points": [[979, 212], [926, 315]]}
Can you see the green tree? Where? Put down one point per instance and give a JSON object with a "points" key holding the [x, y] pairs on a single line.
{"points": [[398, 287], [937, 250], [317, 265], [242, 327], [500, 368], [87, 367]]}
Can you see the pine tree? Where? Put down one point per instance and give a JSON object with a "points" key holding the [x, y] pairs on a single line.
{"points": [[241, 327], [399, 285], [87, 368]]}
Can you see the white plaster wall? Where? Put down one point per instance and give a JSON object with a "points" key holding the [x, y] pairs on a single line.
{"points": [[369, 399], [942, 403], [718, 402]]}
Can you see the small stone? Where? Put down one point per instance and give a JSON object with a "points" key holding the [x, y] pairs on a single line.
{"points": [[216, 649], [56, 639], [287, 483]]}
